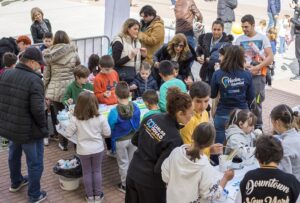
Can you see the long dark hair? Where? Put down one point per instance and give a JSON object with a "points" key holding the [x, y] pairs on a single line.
{"points": [[285, 114], [233, 59], [203, 136]]}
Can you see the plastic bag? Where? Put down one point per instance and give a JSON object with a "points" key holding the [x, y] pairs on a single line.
{"points": [[75, 172]]}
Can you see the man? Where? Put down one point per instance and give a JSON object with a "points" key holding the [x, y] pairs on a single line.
{"points": [[296, 26], [274, 7], [185, 13], [226, 13], [258, 55], [152, 33], [23, 121]]}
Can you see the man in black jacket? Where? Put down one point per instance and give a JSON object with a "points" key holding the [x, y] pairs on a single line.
{"points": [[296, 25], [23, 121]]}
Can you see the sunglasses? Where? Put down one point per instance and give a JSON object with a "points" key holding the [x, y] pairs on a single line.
{"points": [[178, 45]]}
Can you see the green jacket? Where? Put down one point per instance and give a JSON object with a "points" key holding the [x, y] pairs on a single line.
{"points": [[73, 90]]}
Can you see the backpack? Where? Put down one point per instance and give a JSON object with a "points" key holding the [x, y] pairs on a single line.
{"points": [[111, 44]]}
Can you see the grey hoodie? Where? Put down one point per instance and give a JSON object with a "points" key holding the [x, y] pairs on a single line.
{"points": [[235, 138], [291, 149]]}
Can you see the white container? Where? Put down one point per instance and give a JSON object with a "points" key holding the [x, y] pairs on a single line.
{"points": [[68, 183], [224, 164]]}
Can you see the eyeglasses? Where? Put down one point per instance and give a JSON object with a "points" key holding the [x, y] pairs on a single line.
{"points": [[178, 45]]}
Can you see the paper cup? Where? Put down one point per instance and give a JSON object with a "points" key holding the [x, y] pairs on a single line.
{"points": [[224, 164]]}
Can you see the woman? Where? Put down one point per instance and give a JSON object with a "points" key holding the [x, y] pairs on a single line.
{"points": [[176, 50], [235, 86], [208, 48], [282, 117], [61, 59], [156, 138], [127, 51], [39, 26]]}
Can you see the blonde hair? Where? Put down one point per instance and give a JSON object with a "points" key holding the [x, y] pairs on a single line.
{"points": [[176, 40], [129, 23], [272, 33], [263, 22], [34, 11]]}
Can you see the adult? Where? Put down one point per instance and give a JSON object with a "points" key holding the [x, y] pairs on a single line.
{"points": [[156, 138], [23, 122], [186, 12], [39, 26], [7, 45], [225, 11], [235, 86], [296, 25], [274, 7], [127, 51], [152, 33], [61, 59], [208, 48], [23, 42], [255, 46], [177, 50]]}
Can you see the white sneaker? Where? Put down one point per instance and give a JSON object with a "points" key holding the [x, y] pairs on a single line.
{"points": [[268, 87], [111, 154], [46, 141], [172, 7]]}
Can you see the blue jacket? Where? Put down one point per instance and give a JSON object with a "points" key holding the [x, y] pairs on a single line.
{"points": [[122, 125], [274, 7], [143, 85], [236, 90]]}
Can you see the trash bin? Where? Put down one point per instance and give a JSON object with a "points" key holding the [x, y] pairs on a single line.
{"points": [[68, 183]]}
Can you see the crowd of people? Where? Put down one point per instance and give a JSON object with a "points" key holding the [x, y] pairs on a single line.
{"points": [[167, 154]]}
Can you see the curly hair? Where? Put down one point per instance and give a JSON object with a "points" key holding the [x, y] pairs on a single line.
{"points": [[176, 40]]}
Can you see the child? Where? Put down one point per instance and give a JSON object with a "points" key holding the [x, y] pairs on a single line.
{"points": [[268, 183], [81, 74], [89, 128], [284, 33], [188, 170], [262, 27], [94, 67], [282, 118], [188, 81], [238, 133], [167, 73], [106, 81], [143, 81], [150, 99], [47, 41], [124, 120], [9, 61]]}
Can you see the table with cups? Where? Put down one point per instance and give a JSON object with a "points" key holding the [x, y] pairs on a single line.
{"points": [[64, 117], [240, 166]]}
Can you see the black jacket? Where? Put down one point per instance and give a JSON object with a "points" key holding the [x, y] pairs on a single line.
{"points": [[143, 85], [22, 110], [204, 43], [184, 66], [37, 32], [157, 137], [7, 45]]}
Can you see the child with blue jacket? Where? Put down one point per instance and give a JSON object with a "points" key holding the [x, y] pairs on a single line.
{"points": [[124, 120]]}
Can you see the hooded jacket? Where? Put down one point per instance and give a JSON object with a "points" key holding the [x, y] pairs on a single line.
{"points": [[152, 37], [189, 181], [235, 138], [143, 85], [185, 13], [22, 113], [61, 59]]}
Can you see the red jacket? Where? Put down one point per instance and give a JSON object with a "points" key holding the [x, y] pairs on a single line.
{"points": [[106, 82]]}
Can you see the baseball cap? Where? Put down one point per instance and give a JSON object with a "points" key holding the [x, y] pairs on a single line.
{"points": [[33, 53]]}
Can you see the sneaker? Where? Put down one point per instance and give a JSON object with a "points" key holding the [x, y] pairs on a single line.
{"points": [[89, 199], [54, 137], [63, 148], [98, 199], [121, 188], [46, 141], [296, 77], [111, 154], [268, 87], [4, 142], [172, 7], [41, 198], [16, 188]]}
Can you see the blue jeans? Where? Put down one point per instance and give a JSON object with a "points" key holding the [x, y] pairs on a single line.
{"points": [[282, 45], [173, 2], [34, 152], [272, 21], [191, 40], [220, 122]]}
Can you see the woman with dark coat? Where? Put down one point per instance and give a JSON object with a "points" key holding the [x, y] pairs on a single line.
{"points": [[176, 50], [208, 48], [39, 26]]}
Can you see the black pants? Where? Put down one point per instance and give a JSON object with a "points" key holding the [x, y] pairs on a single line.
{"points": [[108, 143], [54, 108], [136, 193]]}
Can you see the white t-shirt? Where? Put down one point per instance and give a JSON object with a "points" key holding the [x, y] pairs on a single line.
{"points": [[89, 134], [253, 45]]}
